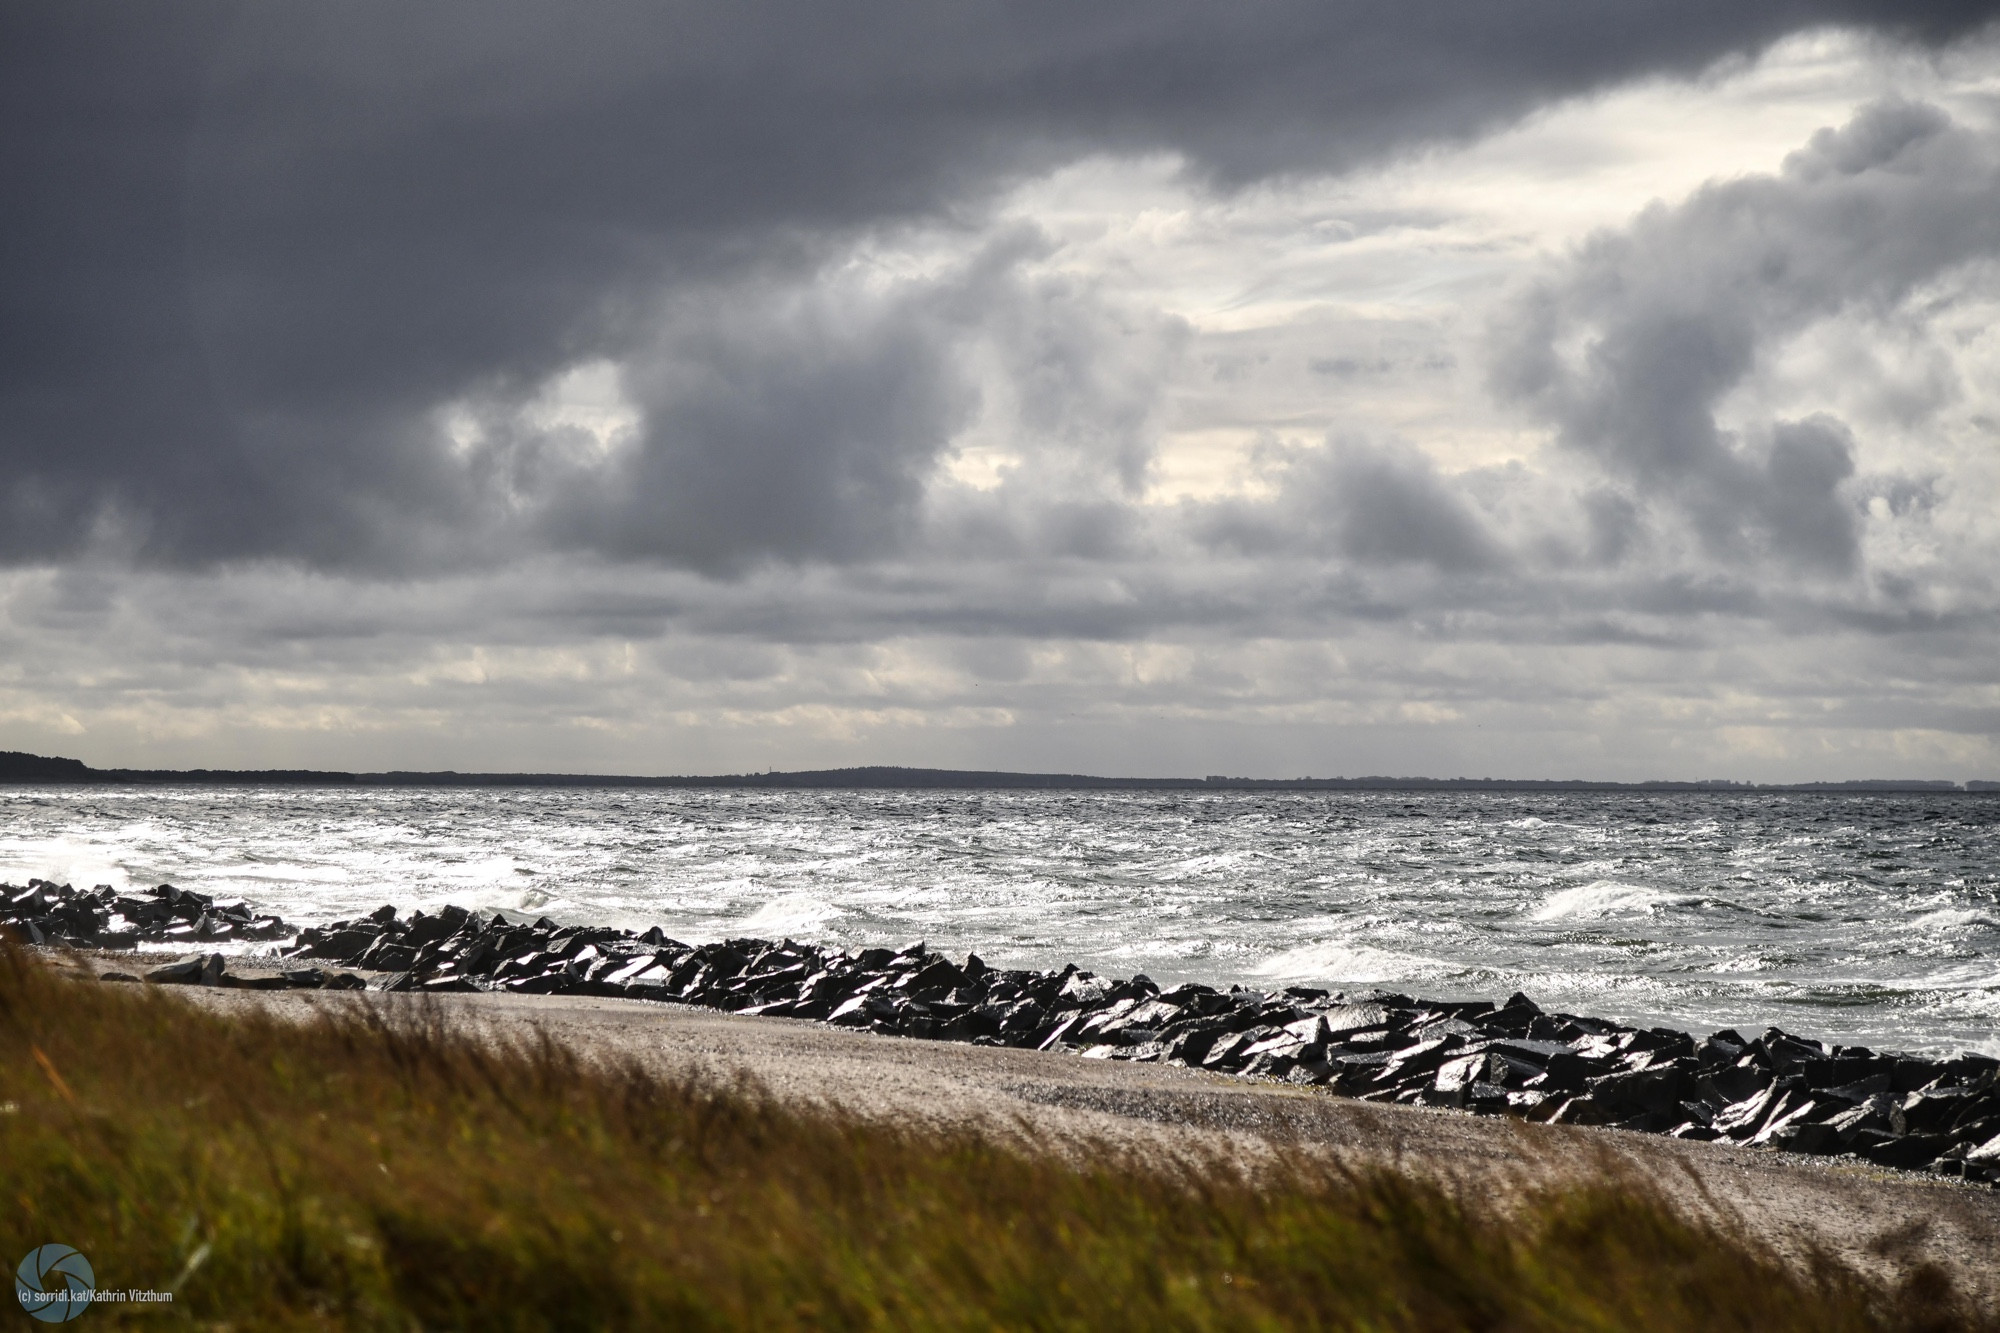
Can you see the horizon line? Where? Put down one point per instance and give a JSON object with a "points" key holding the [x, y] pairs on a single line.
{"points": [[19, 767]]}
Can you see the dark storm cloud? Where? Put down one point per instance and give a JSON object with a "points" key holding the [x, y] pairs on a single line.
{"points": [[250, 251], [794, 429], [1629, 349], [802, 420], [1373, 504]]}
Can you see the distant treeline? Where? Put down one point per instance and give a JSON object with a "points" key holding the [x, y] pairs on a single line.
{"points": [[17, 767]]}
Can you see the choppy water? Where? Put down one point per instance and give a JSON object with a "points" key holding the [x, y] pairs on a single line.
{"points": [[1871, 918]]}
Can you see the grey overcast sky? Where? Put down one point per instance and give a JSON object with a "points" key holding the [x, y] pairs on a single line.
{"points": [[1480, 387]]}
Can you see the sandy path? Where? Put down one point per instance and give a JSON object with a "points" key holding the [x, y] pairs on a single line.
{"points": [[1882, 1221]]}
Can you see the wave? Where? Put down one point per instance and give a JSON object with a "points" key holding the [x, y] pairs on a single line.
{"points": [[60, 860], [1136, 884], [1349, 963], [1956, 919], [1978, 974], [793, 914], [1606, 897]]}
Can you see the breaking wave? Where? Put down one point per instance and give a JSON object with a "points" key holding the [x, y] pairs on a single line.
{"points": [[1350, 963], [1606, 897]]}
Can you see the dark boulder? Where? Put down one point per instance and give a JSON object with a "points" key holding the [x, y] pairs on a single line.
{"points": [[1583, 1109], [387, 954], [1654, 1089], [1736, 1083], [1908, 1151], [254, 979], [1778, 1091]]}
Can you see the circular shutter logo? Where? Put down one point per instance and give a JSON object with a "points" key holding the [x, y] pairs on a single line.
{"points": [[55, 1283]]}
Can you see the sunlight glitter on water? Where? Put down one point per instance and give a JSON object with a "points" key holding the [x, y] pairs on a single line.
{"points": [[1869, 918]]}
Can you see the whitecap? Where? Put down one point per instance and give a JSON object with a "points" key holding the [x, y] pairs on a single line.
{"points": [[1972, 975], [83, 863], [1605, 897], [1210, 863], [1955, 919], [1347, 963], [794, 914]]}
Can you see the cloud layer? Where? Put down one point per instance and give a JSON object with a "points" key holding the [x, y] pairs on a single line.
{"points": [[1662, 320], [1082, 388]]}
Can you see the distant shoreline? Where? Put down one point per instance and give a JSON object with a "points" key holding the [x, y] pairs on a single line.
{"points": [[17, 768]]}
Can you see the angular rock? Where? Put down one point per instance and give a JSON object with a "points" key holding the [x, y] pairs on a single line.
{"points": [[1695, 1130], [1649, 1090], [187, 972], [259, 979], [1735, 1083], [1583, 1110], [1778, 1091], [1908, 1151]]}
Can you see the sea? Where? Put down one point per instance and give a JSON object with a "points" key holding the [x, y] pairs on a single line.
{"points": [[1870, 918]]}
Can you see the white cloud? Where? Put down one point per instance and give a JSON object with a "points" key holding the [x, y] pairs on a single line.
{"points": [[1118, 471]]}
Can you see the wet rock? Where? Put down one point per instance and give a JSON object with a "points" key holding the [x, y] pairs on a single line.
{"points": [[1737, 1082], [863, 1011], [46, 913], [340, 945], [1583, 1110], [422, 929], [201, 970], [187, 972], [1695, 1130], [253, 979], [1233, 1049], [1931, 1110], [1347, 1020], [646, 970], [1650, 1090], [1646, 1122], [1778, 1090], [1908, 1151], [387, 954], [1746, 1119], [1455, 1077], [1356, 1073], [1719, 1050], [974, 1023], [1976, 1133], [1083, 990], [1422, 1059], [1787, 1122], [1848, 1070], [1276, 1063]]}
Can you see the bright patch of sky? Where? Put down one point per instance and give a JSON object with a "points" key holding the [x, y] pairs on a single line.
{"points": [[1356, 302]]}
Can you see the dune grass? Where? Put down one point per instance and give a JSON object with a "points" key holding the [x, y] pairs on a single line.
{"points": [[375, 1170]]}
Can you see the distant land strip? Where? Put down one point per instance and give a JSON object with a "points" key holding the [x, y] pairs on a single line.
{"points": [[16, 767]]}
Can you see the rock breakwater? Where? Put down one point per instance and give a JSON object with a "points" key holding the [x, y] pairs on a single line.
{"points": [[103, 918], [1775, 1090]]}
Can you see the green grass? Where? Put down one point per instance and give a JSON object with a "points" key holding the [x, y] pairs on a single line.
{"points": [[378, 1172]]}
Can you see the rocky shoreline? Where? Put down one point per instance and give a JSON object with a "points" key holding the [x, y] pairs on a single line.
{"points": [[1775, 1090]]}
